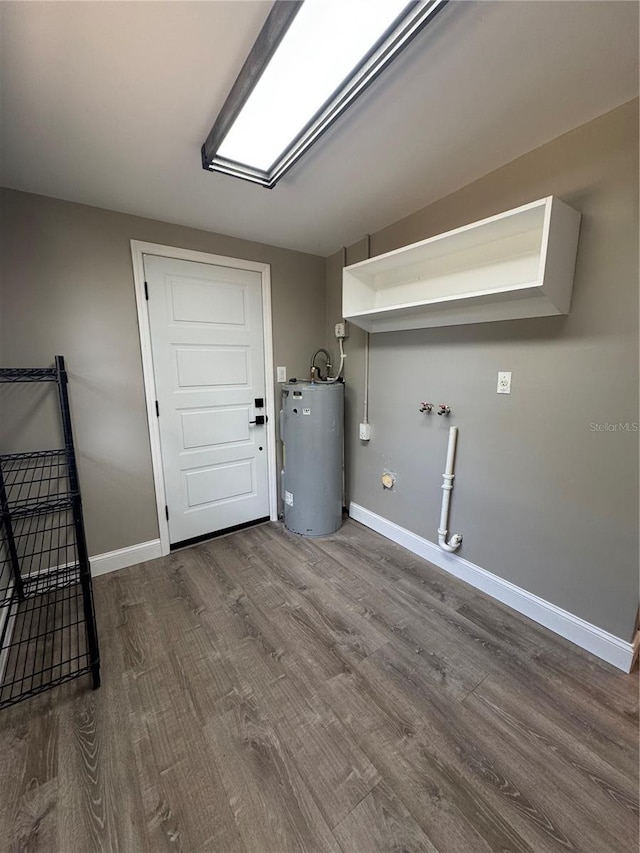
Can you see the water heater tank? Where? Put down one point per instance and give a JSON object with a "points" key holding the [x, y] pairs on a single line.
{"points": [[311, 428]]}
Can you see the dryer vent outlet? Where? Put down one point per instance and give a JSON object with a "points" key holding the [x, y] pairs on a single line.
{"points": [[388, 480]]}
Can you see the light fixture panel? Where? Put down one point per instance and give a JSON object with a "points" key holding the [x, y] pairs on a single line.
{"points": [[311, 60]]}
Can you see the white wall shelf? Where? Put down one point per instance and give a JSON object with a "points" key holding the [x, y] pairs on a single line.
{"points": [[517, 264]]}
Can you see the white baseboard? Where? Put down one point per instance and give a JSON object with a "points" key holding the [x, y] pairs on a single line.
{"points": [[124, 557], [606, 646]]}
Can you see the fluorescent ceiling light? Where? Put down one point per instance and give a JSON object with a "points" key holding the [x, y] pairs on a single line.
{"points": [[325, 42], [311, 60]]}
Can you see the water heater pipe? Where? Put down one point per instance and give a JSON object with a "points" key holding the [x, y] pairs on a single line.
{"points": [[447, 488], [327, 359], [342, 358]]}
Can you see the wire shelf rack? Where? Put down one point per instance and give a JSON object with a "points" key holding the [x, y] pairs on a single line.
{"points": [[47, 619], [36, 481], [28, 374]]}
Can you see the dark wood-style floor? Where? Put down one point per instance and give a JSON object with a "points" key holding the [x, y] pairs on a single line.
{"points": [[264, 693]]}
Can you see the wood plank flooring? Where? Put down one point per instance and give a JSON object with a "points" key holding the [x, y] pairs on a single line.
{"points": [[264, 693]]}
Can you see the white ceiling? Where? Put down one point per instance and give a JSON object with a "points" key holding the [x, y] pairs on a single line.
{"points": [[108, 104]]}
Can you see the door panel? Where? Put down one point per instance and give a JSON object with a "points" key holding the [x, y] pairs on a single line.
{"points": [[208, 359], [207, 366], [221, 426], [223, 305], [220, 483]]}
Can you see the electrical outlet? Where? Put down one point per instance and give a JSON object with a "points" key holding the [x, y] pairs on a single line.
{"points": [[504, 382], [365, 432], [281, 374], [341, 330]]}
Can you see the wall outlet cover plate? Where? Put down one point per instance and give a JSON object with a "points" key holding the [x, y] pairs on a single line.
{"points": [[504, 382]]}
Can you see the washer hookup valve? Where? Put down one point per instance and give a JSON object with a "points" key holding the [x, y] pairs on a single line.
{"points": [[443, 409], [426, 407]]}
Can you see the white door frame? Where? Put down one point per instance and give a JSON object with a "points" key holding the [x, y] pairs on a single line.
{"points": [[138, 250]]}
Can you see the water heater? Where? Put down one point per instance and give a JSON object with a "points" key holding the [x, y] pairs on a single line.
{"points": [[311, 429]]}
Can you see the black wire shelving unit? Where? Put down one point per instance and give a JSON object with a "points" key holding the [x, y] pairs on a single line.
{"points": [[47, 618]]}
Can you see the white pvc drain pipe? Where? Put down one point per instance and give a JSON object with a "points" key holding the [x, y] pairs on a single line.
{"points": [[447, 488]]}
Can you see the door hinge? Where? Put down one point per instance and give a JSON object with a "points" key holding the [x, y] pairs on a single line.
{"points": [[146, 291], [157, 410], [166, 511]]}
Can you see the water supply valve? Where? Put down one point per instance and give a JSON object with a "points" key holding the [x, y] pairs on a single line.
{"points": [[426, 407], [443, 409]]}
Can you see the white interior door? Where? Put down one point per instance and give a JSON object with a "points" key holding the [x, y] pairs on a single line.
{"points": [[207, 343]]}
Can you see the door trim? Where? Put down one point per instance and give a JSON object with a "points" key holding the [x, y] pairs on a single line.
{"points": [[138, 250]]}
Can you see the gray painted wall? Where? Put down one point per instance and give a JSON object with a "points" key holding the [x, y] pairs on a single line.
{"points": [[541, 498], [66, 287]]}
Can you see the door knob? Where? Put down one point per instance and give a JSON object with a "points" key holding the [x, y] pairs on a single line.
{"points": [[259, 421]]}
